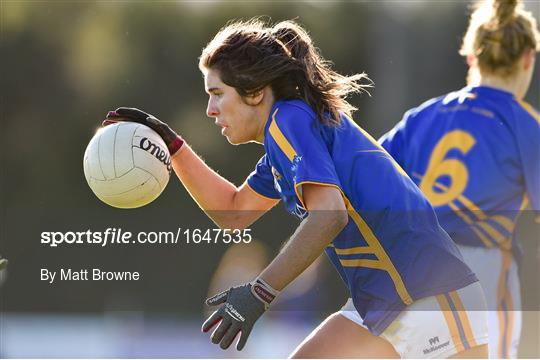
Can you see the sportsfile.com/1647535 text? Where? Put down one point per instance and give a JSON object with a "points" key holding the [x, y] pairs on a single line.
{"points": [[117, 236]]}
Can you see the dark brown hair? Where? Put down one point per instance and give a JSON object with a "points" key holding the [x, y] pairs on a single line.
{"points": [[250, 55], [499, 33]]}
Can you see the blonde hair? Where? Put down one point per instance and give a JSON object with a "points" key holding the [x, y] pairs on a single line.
{"points": [[499, 33], [250, 55]]}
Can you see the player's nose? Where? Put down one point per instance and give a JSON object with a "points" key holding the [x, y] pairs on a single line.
{"points": [[211, 109]]}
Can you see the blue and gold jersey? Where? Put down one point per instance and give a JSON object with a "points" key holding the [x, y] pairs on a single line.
{"points": [[392, 251], [475, 154]]}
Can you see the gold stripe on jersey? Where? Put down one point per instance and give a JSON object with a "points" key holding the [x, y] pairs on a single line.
{"points": [[378, 146], [354, 250], [494, 234], [472, 207], [382, 262], [503, 241], [466, 218], [368, 263], [524, 202], [365, 133], [259, 194], [280, 139], [459, 212], [380, 253], [466, 202], [527, 107], [482, 237], [505, 222], [469, 221]]}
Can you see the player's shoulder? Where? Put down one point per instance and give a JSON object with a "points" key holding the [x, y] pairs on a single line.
{"points": [[506, 107], [293, 112], [425, 110], [434, 103], [525, 112]]}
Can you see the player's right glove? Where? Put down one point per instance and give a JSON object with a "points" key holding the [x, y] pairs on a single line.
{"points": [[242, 306], [172, 139]]}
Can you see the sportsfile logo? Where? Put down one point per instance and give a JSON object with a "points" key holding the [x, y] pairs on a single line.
{"points": [[435, 344], [156, 151], [229, 309]]}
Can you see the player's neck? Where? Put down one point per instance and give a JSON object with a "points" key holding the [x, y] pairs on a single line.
{"points": [[264, 109], [516, 83], [498, 83]]}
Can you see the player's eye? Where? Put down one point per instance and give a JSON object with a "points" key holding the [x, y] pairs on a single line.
{"points": [[214, 92]]}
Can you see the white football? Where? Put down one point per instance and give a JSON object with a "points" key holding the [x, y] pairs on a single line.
{"points": [[127, 165]]}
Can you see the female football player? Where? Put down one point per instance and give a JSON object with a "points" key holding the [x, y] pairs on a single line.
{"points": [[475, 153], [411, 294]]}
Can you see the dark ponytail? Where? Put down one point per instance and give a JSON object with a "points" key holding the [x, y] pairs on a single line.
{"points": [[250, 56]]}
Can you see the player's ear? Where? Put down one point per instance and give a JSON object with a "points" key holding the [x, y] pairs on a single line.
{"points": [[258, 97], [528, 59], [471, 60]]}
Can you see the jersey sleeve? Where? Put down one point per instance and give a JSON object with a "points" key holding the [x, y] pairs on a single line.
{"points": [[261, 179], [528, 142], [297, 140]]}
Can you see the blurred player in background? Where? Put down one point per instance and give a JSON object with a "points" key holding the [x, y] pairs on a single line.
{"points": [[475, 154], [269, 85]]}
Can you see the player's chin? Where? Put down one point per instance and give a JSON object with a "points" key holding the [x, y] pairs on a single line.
{"points": [[235, 140]]}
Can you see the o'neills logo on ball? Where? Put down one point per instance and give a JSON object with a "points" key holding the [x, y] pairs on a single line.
{"points": [[156, 151]]}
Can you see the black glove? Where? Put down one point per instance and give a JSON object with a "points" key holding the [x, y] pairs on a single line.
{"points": [[242, 306], [172, 139]]}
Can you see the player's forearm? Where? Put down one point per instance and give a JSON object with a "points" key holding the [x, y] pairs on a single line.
{"points": [[308, 242], [209, 190]]}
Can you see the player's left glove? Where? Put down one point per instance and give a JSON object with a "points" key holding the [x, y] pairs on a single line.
{"points": [[242, 306]]}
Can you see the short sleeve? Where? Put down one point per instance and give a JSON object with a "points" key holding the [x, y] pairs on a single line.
{"points": [[261, 179], [528, 142], [296, 139]]}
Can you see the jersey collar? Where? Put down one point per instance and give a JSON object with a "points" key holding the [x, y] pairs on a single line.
{"points": [[489, 90]]}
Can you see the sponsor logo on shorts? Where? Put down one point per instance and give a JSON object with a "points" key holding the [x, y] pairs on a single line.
{"points": [[435, 344]]}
